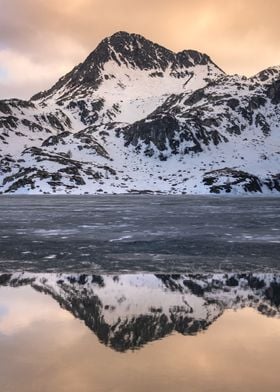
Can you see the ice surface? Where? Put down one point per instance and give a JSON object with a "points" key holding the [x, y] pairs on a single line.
{"points": [[139, 233]]}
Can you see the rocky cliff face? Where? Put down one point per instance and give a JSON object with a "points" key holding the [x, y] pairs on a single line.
{"points": [[135, 116], [128, 311]]}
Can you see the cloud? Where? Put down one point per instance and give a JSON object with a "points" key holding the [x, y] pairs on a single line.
{"points": [[46, 38], [21, 76]]}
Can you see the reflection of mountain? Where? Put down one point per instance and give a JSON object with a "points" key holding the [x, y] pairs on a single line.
{"points": [[128, 311]]}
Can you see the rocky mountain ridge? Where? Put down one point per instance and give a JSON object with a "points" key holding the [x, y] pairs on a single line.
{"points": [[136, 117]]}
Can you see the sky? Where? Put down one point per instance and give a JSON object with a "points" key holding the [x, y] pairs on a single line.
{"points": [[41, 40]]}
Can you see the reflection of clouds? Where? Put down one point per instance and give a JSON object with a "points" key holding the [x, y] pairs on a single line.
{"points": [[240, 352], [23, 307], [230, 354], [3, 311]]}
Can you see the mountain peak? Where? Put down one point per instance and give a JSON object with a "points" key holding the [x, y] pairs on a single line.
{"points": [[134, 50], [134, 46], [127, 50], [125, 35]]}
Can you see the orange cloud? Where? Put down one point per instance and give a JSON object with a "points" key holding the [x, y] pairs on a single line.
{"points": [[240, 36]]}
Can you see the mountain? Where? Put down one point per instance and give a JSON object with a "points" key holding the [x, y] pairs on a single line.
{"points": [[136, 117], [128, 311]]}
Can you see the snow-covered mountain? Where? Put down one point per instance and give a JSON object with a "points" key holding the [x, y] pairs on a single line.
{"points": [[128, 311], [136, 117]]}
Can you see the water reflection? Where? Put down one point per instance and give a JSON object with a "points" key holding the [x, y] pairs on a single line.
{"points": [[230, 323], [126, 312]]}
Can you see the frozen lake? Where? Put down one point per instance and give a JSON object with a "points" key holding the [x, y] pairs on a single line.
{"points": [[129, 233], [122, 293]]}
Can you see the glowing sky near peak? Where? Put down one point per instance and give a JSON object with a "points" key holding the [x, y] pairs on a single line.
{"points": [[40, 40]]}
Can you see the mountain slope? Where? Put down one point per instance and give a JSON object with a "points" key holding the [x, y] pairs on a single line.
{"points": [[126, 77], [135, 116]]}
